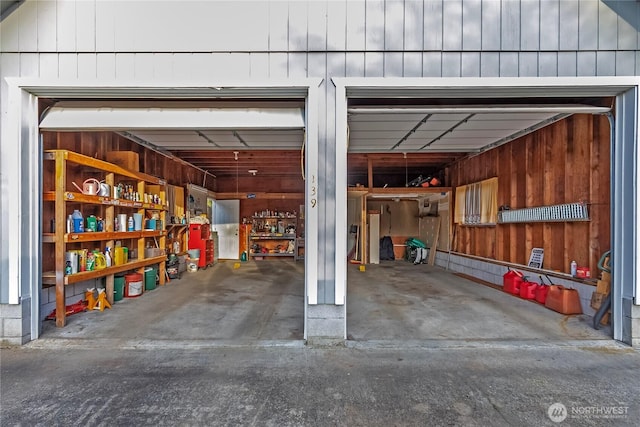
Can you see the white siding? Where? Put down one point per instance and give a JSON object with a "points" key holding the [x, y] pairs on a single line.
{"points": [[207, 40]]}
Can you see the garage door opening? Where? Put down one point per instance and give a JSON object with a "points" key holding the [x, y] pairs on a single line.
{"points": [[544, 152], [223, 185]]}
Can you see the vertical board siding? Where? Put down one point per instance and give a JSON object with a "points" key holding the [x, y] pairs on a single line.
{"points": [[510, 25], [433, 25], [374, 25], [607, 28], [394, 25], [565, 162], [530, 25], [356, 26], [278, 30], [66, 19], [472, 25], [588, 25], [85, 26], [413, 25], [452, 19], [336, 26], [569, 30], [550, 25]]}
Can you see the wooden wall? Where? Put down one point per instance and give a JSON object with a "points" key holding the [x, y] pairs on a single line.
{"points": [[566, 162], [97, 144]]}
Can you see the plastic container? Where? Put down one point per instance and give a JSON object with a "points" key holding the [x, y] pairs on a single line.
{"points": [[150, 278], [511, 282], [563, 300], [133, 285], [541, 293], [194, 253], [78, 221], [118, 255], [92, 223], [528, 290], [137, 222], [118, 288]]}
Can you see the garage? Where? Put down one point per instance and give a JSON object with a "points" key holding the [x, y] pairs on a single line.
{"points": [[502, 120], [526, 149]]}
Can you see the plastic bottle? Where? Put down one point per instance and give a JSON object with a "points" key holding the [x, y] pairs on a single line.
{"points": [[574, 269], [130, 224], [107, 256], [78, 221]]}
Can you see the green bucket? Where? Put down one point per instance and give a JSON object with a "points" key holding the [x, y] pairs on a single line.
{"points": [[118, 288], [150, 275]]}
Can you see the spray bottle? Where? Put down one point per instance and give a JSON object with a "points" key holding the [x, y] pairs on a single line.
{"points": [[107, 256]]}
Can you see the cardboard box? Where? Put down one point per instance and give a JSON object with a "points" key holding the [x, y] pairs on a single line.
{"points": [[603, 287], [126, 159], [606, 277], [596, 300]]}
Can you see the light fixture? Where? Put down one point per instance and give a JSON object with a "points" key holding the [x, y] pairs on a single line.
{"points": [[253, 171]]}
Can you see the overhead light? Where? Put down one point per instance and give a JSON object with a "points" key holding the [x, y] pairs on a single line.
{"points": [[235, 155], [253, 171]]}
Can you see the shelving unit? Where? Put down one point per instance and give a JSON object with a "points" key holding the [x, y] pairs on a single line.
{"points": [[66, 201], [276, 242], [200, 238]]}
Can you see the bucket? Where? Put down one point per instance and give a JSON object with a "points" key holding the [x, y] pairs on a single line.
{"points": [[133, 285], [192, 266], [194, 253], [150, 277], [118, 288]]}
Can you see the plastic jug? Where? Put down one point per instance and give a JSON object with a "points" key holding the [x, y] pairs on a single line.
{"points": [[100, 262], [118, 255], [78, 221], [511, 282], [92, 223]]}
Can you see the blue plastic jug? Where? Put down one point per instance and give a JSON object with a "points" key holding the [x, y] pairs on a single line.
{"points": [[78, 222]]}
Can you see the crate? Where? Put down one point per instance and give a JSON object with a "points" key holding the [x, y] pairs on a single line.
{"points": [[126, 159]]}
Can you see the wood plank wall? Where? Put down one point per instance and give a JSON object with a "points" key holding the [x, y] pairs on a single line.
{"points": [[97, 144], [565, 162]]}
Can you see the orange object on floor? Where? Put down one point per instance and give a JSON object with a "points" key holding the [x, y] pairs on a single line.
{"points": [[563, 300], [102, 302]]}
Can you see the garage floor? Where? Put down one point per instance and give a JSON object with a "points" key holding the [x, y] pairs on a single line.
{"points": [[263, 301]]}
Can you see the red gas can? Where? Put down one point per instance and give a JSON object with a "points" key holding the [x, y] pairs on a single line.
{"points": [[541, 293], [511, 282], [528, 290]]}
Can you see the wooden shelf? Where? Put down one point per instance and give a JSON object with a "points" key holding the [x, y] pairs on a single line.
{"points": [[100, 236], [272, 236], [65, 201], [274, 254], [71, 196], [50, 277]]}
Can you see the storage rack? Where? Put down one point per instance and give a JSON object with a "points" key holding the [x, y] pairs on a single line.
{"points": [[271, 240], [64, 201]]}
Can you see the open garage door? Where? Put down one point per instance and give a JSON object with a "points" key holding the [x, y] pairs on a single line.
{"points": [[236, 144], [411, 130]]}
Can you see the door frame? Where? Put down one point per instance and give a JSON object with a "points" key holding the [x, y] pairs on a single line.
{"points": [[22, 228], [625, 242]]}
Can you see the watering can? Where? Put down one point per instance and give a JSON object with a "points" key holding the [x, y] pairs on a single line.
{"points": [[90, 187]]}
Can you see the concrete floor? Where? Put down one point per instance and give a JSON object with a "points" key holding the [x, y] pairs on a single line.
{"points": [[263, 301], [222, 347]]}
